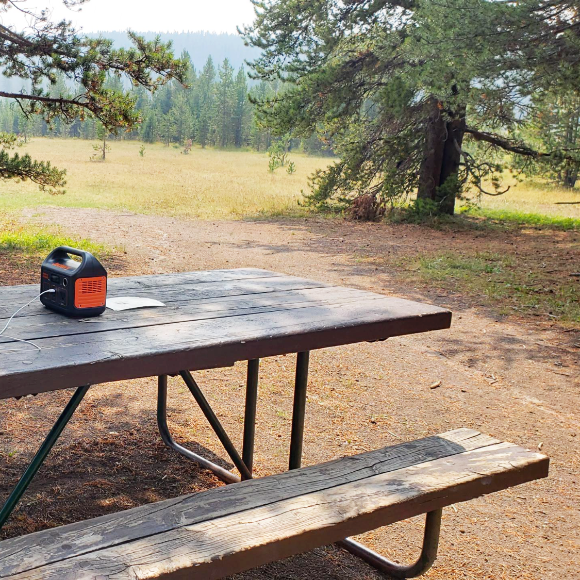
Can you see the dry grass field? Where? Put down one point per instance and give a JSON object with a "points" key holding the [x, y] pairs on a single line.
{"points": [[537, 197], [204, 184], [213, 184]]}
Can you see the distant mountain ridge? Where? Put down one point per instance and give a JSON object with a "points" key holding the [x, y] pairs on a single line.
{"points": [[199, 45]]}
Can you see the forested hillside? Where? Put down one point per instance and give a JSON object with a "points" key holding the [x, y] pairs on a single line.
{"points": [[199, 45]]}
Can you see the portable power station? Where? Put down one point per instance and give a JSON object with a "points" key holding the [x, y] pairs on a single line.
{"points": [[80, 286]]}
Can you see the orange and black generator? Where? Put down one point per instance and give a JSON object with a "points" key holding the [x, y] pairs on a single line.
{"points": [[80, 285]]}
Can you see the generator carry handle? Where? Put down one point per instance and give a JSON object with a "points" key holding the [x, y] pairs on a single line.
{"points": [[58, 253]]}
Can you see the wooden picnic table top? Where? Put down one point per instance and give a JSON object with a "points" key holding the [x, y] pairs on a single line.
{"points": [[211, 319]]}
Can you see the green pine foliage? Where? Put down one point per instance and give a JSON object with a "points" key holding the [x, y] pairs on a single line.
{"points": [[554, 126], [405, 91], [69, 78], [24, 168]]}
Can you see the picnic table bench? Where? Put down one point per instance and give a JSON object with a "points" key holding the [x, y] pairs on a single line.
{"points": [[213, 319]]}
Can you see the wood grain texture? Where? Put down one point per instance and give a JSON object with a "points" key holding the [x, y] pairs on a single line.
{"points": [[15, 296], [212, 319], [230, 529], [159, 517]]}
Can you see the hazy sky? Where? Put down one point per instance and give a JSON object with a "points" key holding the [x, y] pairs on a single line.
{"points": [[155, 15]]}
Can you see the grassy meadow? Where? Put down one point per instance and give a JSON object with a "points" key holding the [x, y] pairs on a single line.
{"points": [[214, 184], [532, 202], [206, 183]]}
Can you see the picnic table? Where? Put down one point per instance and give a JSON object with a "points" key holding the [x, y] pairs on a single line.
{"points": [[211, 319]]}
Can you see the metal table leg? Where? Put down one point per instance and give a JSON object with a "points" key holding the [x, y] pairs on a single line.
{"points": [[41, 454], [222, 473], [215, 424], [250, 413], [299, 410]]}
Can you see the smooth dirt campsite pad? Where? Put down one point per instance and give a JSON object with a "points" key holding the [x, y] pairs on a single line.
{"points": [[514, 377]]}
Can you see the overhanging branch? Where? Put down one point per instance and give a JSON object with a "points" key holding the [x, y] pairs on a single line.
{"points": [[521, 149], [40, 98]]}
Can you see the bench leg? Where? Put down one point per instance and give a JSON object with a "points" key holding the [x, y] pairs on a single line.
{"points": [[214, 422], [425, 561], [222, 473], [41, 454]]}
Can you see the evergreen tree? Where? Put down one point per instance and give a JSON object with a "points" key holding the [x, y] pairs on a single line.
{"points": [[149, 132], [242, 111], [555, 125], [166, 127], [401, 87], [260, 136], [206, 103], [182, 119], [224, 104], [89, 128]]}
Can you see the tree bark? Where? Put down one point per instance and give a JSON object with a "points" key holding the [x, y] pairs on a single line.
{"points": [[430, 170], [570, 177], [455, 129], [441, 158]]}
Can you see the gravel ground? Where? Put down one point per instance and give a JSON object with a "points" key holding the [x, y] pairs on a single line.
{"points": [[515, 379]]}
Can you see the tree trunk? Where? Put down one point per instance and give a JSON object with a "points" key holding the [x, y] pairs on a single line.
{"points": [[441, 158], [570, 177], [430, 170]]}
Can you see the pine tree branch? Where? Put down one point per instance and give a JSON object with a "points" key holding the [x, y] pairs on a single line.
{"points": [[40, 98], [521, 149]]}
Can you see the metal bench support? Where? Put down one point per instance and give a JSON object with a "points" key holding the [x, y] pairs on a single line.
{"points": [[425, 561], [219, 471], [41, 454], [433, 519], [245, 462]]}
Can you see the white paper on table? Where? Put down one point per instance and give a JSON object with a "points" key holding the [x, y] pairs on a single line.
{"points": [[129, 303]]}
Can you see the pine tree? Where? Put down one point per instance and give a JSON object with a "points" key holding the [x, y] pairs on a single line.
{"points": [[241, 114], [224, 104], [402, 87], [206, 103], [149, 131], [260, 136], [555, 125], [182, 118]]}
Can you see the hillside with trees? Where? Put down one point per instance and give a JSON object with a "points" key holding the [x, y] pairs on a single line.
{"points": [[212, 107]]}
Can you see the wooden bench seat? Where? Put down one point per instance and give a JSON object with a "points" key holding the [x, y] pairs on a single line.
{"points": [[230, 529]]}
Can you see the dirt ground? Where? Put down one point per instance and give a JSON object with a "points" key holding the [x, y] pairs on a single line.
{"points": [[516, 379]]}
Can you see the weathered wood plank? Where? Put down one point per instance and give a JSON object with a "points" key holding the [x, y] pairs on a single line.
{"points": [[71, 361], [156, 280], [168, 290], [311, 507], [184, 310], [18, 554]]}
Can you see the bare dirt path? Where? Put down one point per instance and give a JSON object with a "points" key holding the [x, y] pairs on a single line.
{"points": [[514, 379]]}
